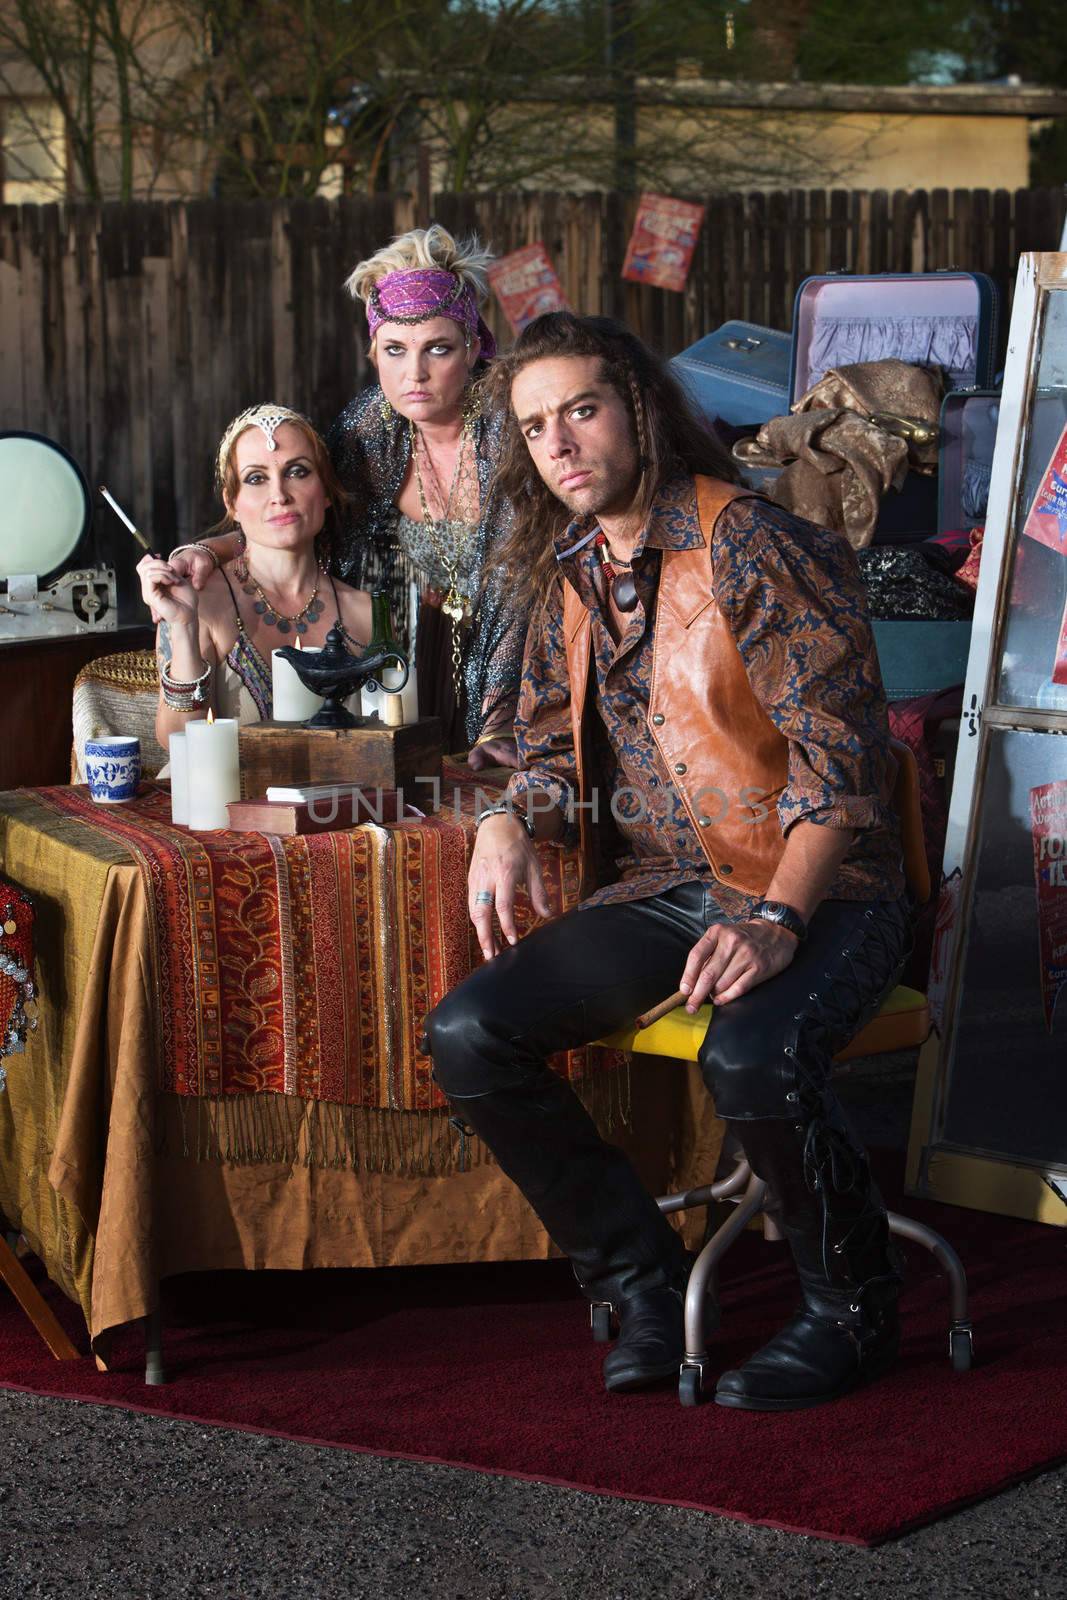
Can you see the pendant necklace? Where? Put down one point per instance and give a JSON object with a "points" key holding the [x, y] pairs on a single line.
{"points": [[619, 576], [309, 612], [456, 605]]}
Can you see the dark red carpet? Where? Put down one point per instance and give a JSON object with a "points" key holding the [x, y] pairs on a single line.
{"points": [[493, 1368]]}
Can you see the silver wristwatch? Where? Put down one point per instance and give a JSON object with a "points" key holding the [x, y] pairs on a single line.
{"points": [[505, 810]]}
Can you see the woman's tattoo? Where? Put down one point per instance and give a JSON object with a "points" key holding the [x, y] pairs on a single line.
{"points": [[163, 644]]}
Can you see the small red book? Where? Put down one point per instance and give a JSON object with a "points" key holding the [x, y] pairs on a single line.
{"points": [[347, 808]]}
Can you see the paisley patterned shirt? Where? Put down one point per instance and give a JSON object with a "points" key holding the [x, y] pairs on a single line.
{"points": [[794, 600]]}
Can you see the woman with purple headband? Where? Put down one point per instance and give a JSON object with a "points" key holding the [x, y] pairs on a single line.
{"points": [[417, 456]]}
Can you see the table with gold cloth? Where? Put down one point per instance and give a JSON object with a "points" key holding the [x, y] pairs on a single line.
{"points": [[126, 1157]]}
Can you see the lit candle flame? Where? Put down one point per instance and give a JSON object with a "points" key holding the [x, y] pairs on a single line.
{"points": [[299, 646], [210, 714]]}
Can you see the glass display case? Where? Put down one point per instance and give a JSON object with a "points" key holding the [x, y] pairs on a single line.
{"points": [[989, 1127]]}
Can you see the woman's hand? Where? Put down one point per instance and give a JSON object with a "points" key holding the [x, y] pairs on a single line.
{"points": [[503, 859], [169, 596], [499, 751]]}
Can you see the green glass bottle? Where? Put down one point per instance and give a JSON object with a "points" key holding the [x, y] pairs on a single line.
{"points": [[382, 639]]}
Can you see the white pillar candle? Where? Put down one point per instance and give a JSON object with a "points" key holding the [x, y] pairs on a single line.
{"points": [[214, 771], [408, 696], [292, 702], [179, 778]]}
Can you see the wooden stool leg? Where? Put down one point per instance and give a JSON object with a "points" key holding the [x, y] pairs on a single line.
{"points": [[13, 1273]]}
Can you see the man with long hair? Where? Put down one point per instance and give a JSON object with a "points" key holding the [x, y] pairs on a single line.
{"points": [[701, 696]]}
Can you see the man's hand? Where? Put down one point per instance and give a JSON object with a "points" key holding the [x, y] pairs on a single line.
{"points": [[733, 957], [504, 858]]}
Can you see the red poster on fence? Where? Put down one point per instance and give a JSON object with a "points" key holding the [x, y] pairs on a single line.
{"points": [[1048, 827], [1046, 520], [662, 243], [526, 285]]}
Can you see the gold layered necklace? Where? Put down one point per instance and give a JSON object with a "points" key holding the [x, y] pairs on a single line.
{"points": [[456, 605]]}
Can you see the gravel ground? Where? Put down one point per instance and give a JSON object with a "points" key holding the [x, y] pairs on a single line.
{"points": [[99, 1502]]}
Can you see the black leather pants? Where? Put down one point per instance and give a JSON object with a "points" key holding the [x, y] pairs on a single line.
{"points": [[578, 978]]}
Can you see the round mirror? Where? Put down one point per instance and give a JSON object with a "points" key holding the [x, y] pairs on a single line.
{"points": [[45, 508]]}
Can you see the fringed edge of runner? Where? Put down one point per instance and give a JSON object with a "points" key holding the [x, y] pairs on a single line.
{"points": [[244, 1130]]}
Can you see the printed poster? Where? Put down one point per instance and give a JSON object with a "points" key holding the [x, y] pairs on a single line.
{"points": [[1046, 520], [1059, 670], [661, 246], [526, 285], [1048, 827]]}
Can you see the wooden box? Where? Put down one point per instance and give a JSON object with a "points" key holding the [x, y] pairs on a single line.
{"points": [[372, 756]]}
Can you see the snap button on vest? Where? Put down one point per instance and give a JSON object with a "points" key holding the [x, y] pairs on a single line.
{"points": [[680, 768], [658, 720], [726, 869], [705, 822]]}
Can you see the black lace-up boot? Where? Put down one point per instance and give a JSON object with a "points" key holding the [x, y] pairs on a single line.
{"points": [[846, 1331]]}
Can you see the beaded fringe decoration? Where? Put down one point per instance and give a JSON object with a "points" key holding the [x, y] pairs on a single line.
{"points": [[271, 1129]]}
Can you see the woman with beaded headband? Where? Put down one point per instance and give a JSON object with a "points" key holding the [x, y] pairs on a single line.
{"points": [[282, 500], [417, 457]]}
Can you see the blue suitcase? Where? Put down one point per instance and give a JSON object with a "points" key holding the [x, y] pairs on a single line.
{"points": [[739, 374]]}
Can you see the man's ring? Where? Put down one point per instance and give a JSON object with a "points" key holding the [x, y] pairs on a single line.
{"points": [[484, 897]]}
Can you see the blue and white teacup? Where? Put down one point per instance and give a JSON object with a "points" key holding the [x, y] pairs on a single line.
{"points": [[113, 769]]}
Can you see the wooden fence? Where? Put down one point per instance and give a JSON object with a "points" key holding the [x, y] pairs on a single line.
{"points": [[131, 334]]}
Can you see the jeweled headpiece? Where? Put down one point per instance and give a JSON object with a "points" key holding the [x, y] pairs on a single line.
{"points": [[418, 294], [268, 418]]}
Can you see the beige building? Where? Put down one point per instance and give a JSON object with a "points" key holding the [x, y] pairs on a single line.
{"points": [[968, 136]]}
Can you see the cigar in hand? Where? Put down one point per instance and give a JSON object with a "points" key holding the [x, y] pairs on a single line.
{"points": [[672, 1002]]}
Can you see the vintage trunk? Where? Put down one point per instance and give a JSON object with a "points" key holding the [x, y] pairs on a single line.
{"points": [[371, 756]]}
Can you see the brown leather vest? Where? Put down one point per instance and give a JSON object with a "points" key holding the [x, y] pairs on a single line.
{"points": [[726, 758]]}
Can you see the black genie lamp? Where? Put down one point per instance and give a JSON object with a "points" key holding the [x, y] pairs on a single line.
{"points": [[335, 673]]}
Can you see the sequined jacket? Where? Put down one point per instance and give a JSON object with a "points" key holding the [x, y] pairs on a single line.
{"points": [[371, 455], [742, 696]]}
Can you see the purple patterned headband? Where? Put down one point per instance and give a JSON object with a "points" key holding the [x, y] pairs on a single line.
{"points": [[420, 293]]}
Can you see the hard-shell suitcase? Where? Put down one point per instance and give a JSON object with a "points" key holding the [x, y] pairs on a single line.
{"points": [[946, 318], [965, 457], [738, 374], [920, 658]]}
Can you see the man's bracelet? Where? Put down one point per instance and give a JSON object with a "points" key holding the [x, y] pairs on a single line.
{"points": [[196, 545], [506, 811]]}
